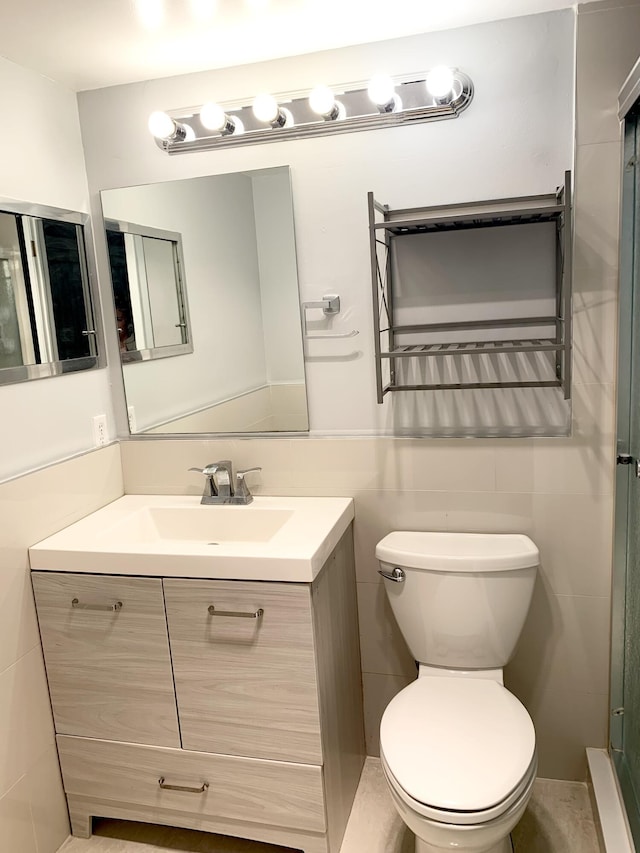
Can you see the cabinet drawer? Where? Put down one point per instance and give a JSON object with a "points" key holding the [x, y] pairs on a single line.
{"points": [[245, 686], [268, 792], [109, 670]]}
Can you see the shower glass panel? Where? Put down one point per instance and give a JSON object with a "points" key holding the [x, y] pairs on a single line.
{"points": [[625, 687]]}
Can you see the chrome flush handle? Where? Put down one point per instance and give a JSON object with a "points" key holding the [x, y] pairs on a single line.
{"points": [[397, 575]]}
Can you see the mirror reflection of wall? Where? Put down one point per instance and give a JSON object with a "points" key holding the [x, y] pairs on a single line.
{"points": [[246, 371], [46, 318]]}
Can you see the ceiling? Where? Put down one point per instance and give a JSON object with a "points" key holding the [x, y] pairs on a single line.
{"points": [[88, 44]]}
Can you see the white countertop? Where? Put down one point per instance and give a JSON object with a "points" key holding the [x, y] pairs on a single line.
{"points": [[271, 539]]}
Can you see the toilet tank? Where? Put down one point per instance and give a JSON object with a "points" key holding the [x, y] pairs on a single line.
{"points": [[463, 597]]}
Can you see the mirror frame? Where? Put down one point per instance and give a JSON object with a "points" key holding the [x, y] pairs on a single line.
{"points": [[151, 353], [28, 372]]}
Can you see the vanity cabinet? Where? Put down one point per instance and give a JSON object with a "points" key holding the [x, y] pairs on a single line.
{"points": [[227, 706]]}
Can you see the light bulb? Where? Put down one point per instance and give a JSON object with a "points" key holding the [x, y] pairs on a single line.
{"points": [[203, 10], [439, 81], [213, 117], [381, 90], [161, 125], [150, 13], [285, 118], [265, 108], [322, 101]]}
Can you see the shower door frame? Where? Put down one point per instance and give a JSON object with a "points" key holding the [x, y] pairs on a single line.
{"points": [[628, 349]]}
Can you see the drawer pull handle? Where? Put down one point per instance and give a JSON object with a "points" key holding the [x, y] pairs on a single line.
{"points": [[75, 603], [186, 788], [241, 614]]}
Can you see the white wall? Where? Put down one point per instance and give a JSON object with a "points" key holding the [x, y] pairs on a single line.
{"points": [[43, 163], [272, 204], [515, 138], [216, 221], [42, 421]]}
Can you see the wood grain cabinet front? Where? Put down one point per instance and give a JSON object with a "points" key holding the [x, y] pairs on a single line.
{"points": [[244, 668], [106, 653], [264, 678], [217, 786]]}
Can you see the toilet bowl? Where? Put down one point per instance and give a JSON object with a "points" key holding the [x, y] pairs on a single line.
{"points": [[458, 750], [460, 759]]}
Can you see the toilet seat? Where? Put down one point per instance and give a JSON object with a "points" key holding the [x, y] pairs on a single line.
{"points": [[458, 750], [459, 818]]}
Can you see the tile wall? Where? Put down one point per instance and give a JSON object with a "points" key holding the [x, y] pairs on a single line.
{"points": [[33, 813]]}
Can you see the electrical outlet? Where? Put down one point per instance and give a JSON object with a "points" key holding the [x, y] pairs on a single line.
{"points": [[131, 414], [99, 430]]}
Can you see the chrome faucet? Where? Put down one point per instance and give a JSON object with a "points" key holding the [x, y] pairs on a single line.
{"points": [[219, 488]]}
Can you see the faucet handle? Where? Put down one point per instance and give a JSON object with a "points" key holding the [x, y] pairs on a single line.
{"points": [[242, 490], [244, 471]]}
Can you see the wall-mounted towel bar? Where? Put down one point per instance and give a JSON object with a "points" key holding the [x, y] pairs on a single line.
{"points": [[330, 305]]}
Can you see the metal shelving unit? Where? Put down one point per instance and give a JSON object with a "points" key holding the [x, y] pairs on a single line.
{"points": [[387, 226]]}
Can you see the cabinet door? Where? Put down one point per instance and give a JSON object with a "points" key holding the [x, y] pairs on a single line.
{"points": [[107, 657], [246, 685]]}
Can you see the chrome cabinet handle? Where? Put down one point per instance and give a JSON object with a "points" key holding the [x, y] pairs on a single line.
{"points": [[186, 788], [241, 614], [87, 332], [397, 575], [75, 603]]}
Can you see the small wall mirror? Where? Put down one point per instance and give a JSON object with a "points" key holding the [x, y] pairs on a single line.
{"points": [[46, 316], [226, 244], [147, 273]]}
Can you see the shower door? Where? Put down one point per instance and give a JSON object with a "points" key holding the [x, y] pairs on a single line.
{"points": [[625, 663]]}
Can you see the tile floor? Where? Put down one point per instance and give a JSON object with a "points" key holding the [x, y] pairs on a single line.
{"points": [[558, 820]]}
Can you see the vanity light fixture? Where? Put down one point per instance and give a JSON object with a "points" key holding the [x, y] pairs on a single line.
{"points": [[384, 102]]}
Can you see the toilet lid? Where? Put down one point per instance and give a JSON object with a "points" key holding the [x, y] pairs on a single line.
{"points": [[457, 744]]}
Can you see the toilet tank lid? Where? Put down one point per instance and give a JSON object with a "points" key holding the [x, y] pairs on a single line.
{"points": [[458, 552]]}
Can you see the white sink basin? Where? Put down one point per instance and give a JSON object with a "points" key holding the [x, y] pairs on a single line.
{"points": [[155, 524], [286, 539]]}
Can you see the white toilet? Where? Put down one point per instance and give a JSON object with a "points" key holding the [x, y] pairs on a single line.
{"points": [[457, 749]]}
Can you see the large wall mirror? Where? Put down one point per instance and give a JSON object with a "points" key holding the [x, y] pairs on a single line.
{"points": [[232, 361], [47, 324]]}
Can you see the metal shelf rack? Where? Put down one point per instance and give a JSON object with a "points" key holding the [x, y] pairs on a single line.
{"points": [[386, 226]]}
